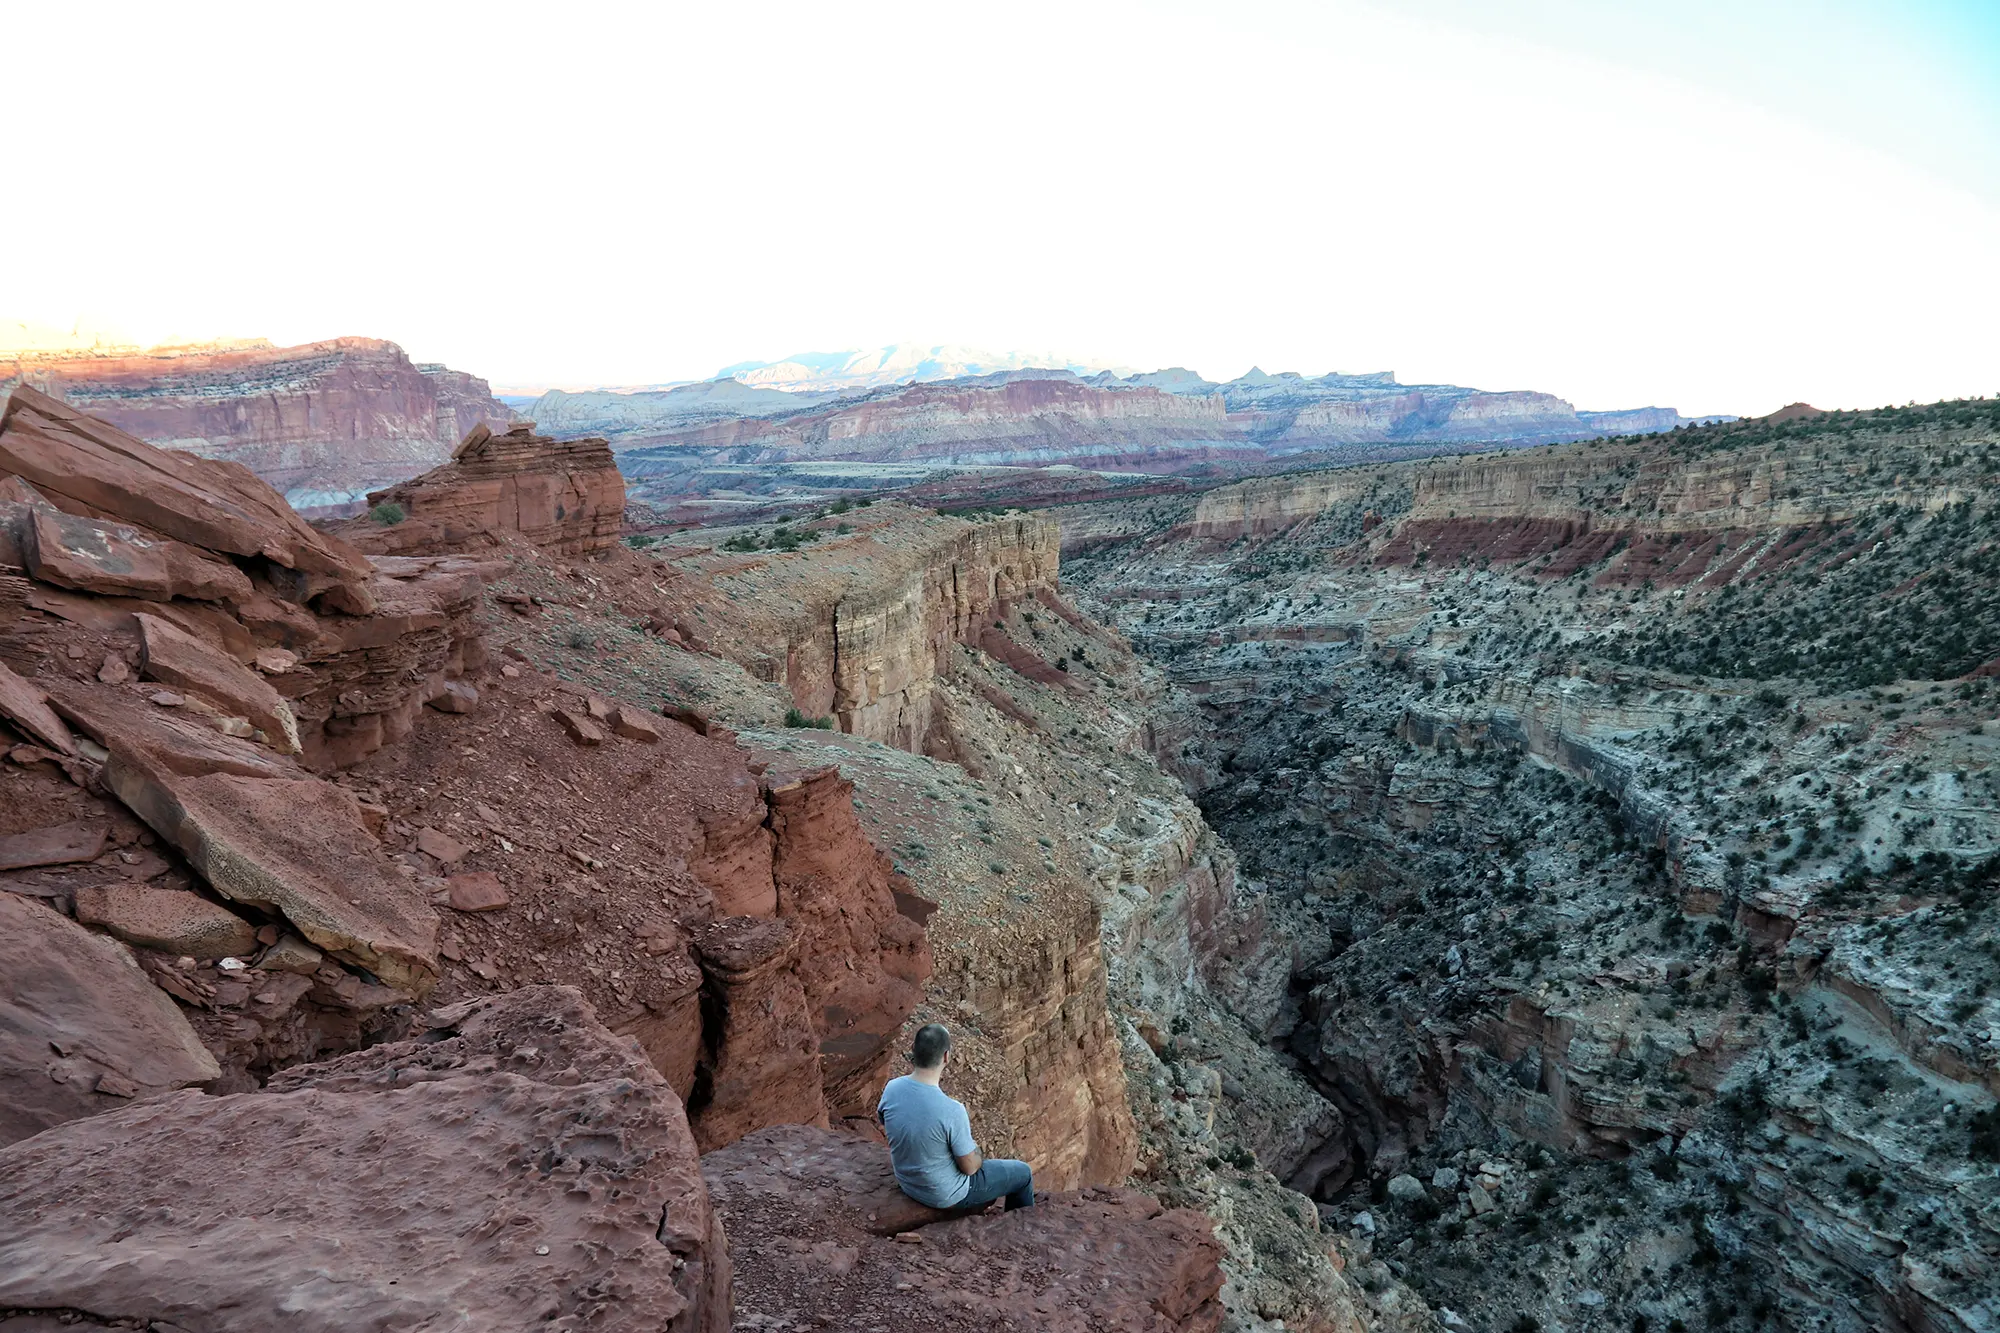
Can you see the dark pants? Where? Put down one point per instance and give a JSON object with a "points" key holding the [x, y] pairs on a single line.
{"points": [[1001, 1176]]}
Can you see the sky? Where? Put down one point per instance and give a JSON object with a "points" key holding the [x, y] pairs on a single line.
{"points": [[1721, 207]]}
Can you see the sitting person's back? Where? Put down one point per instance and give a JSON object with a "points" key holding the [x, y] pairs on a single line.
{"points": [[930, 1138]]}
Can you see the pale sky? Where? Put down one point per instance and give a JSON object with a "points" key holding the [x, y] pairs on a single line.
{"points": [[1715, 206]]}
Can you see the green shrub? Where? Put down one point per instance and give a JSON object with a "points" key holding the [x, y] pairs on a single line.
{"points": [[794, 718], [388, 513]]}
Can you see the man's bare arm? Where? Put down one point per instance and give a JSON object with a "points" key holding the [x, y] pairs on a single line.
{"points": [[970, 1163]]}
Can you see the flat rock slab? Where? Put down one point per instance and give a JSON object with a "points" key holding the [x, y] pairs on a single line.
{"points": [[173, 921], [23, 704], [795, 1202], [172, 656], [523, 1169], [92, 555], [443, 846], [580, 728], [263, 832], [57, 845], [294, 847], [480, 891], [81, 1026]]}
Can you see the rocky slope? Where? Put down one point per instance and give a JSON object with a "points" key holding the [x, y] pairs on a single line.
{"points": [[1631, 810], [214, 874], [324, 423]]}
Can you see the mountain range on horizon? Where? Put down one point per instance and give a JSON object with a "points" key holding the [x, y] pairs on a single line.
{"points": [[327, 422]]}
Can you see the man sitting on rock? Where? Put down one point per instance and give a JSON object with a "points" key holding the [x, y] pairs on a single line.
{"points": [[930, 1139]]}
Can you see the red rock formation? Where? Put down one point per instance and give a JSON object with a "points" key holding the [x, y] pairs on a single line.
{"points": [[810, 1214], [563, 496], [86, 467], [516, 1167], [865, 628], [82, 1029], [762, 1066], [863, 963], [322, 423]]}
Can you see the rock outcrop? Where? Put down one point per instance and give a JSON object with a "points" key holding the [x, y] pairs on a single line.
{"points": [[516, 1166], [810, 1213], [565, 497], [204, 567], [322, 423], [862, 630]]}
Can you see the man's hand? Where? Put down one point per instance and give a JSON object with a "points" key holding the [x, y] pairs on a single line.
{"points": [[970, 1163]]}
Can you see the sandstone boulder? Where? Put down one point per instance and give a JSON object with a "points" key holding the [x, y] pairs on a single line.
{"points": [[174, 657], [171, 920], [797, 1204], [635, 724], [519, 1168], [81, 1026]]}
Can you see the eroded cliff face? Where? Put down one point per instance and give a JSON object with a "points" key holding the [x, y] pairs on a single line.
{"points": [[862, 628], [1077, 906], [323, 423], [1629, 809], [1023, 421]]}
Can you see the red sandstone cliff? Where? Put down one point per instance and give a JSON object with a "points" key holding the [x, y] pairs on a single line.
{"points": [[323, 422]]}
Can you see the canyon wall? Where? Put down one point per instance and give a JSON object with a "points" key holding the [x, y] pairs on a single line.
{"points": [[1628, 806], [305, 853], [324, 422], [1099, 964], [861, 631], [1018, 422]]}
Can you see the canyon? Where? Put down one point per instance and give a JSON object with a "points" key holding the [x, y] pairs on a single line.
{"points": [[324, 423], [1546, 887], [1630, 808]]}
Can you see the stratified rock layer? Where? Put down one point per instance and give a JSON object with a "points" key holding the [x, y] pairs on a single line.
{"points": [[563, 496], [517, 1168], [323, 423]]}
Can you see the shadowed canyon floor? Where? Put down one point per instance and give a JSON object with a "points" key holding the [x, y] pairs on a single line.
{"points": [[1631, 810]]}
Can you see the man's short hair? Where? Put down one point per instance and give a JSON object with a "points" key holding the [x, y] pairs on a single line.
{"points": [[927, 1050]]}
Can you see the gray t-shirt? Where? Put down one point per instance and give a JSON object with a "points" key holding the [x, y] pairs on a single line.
{"points": [[927, 1130]]}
